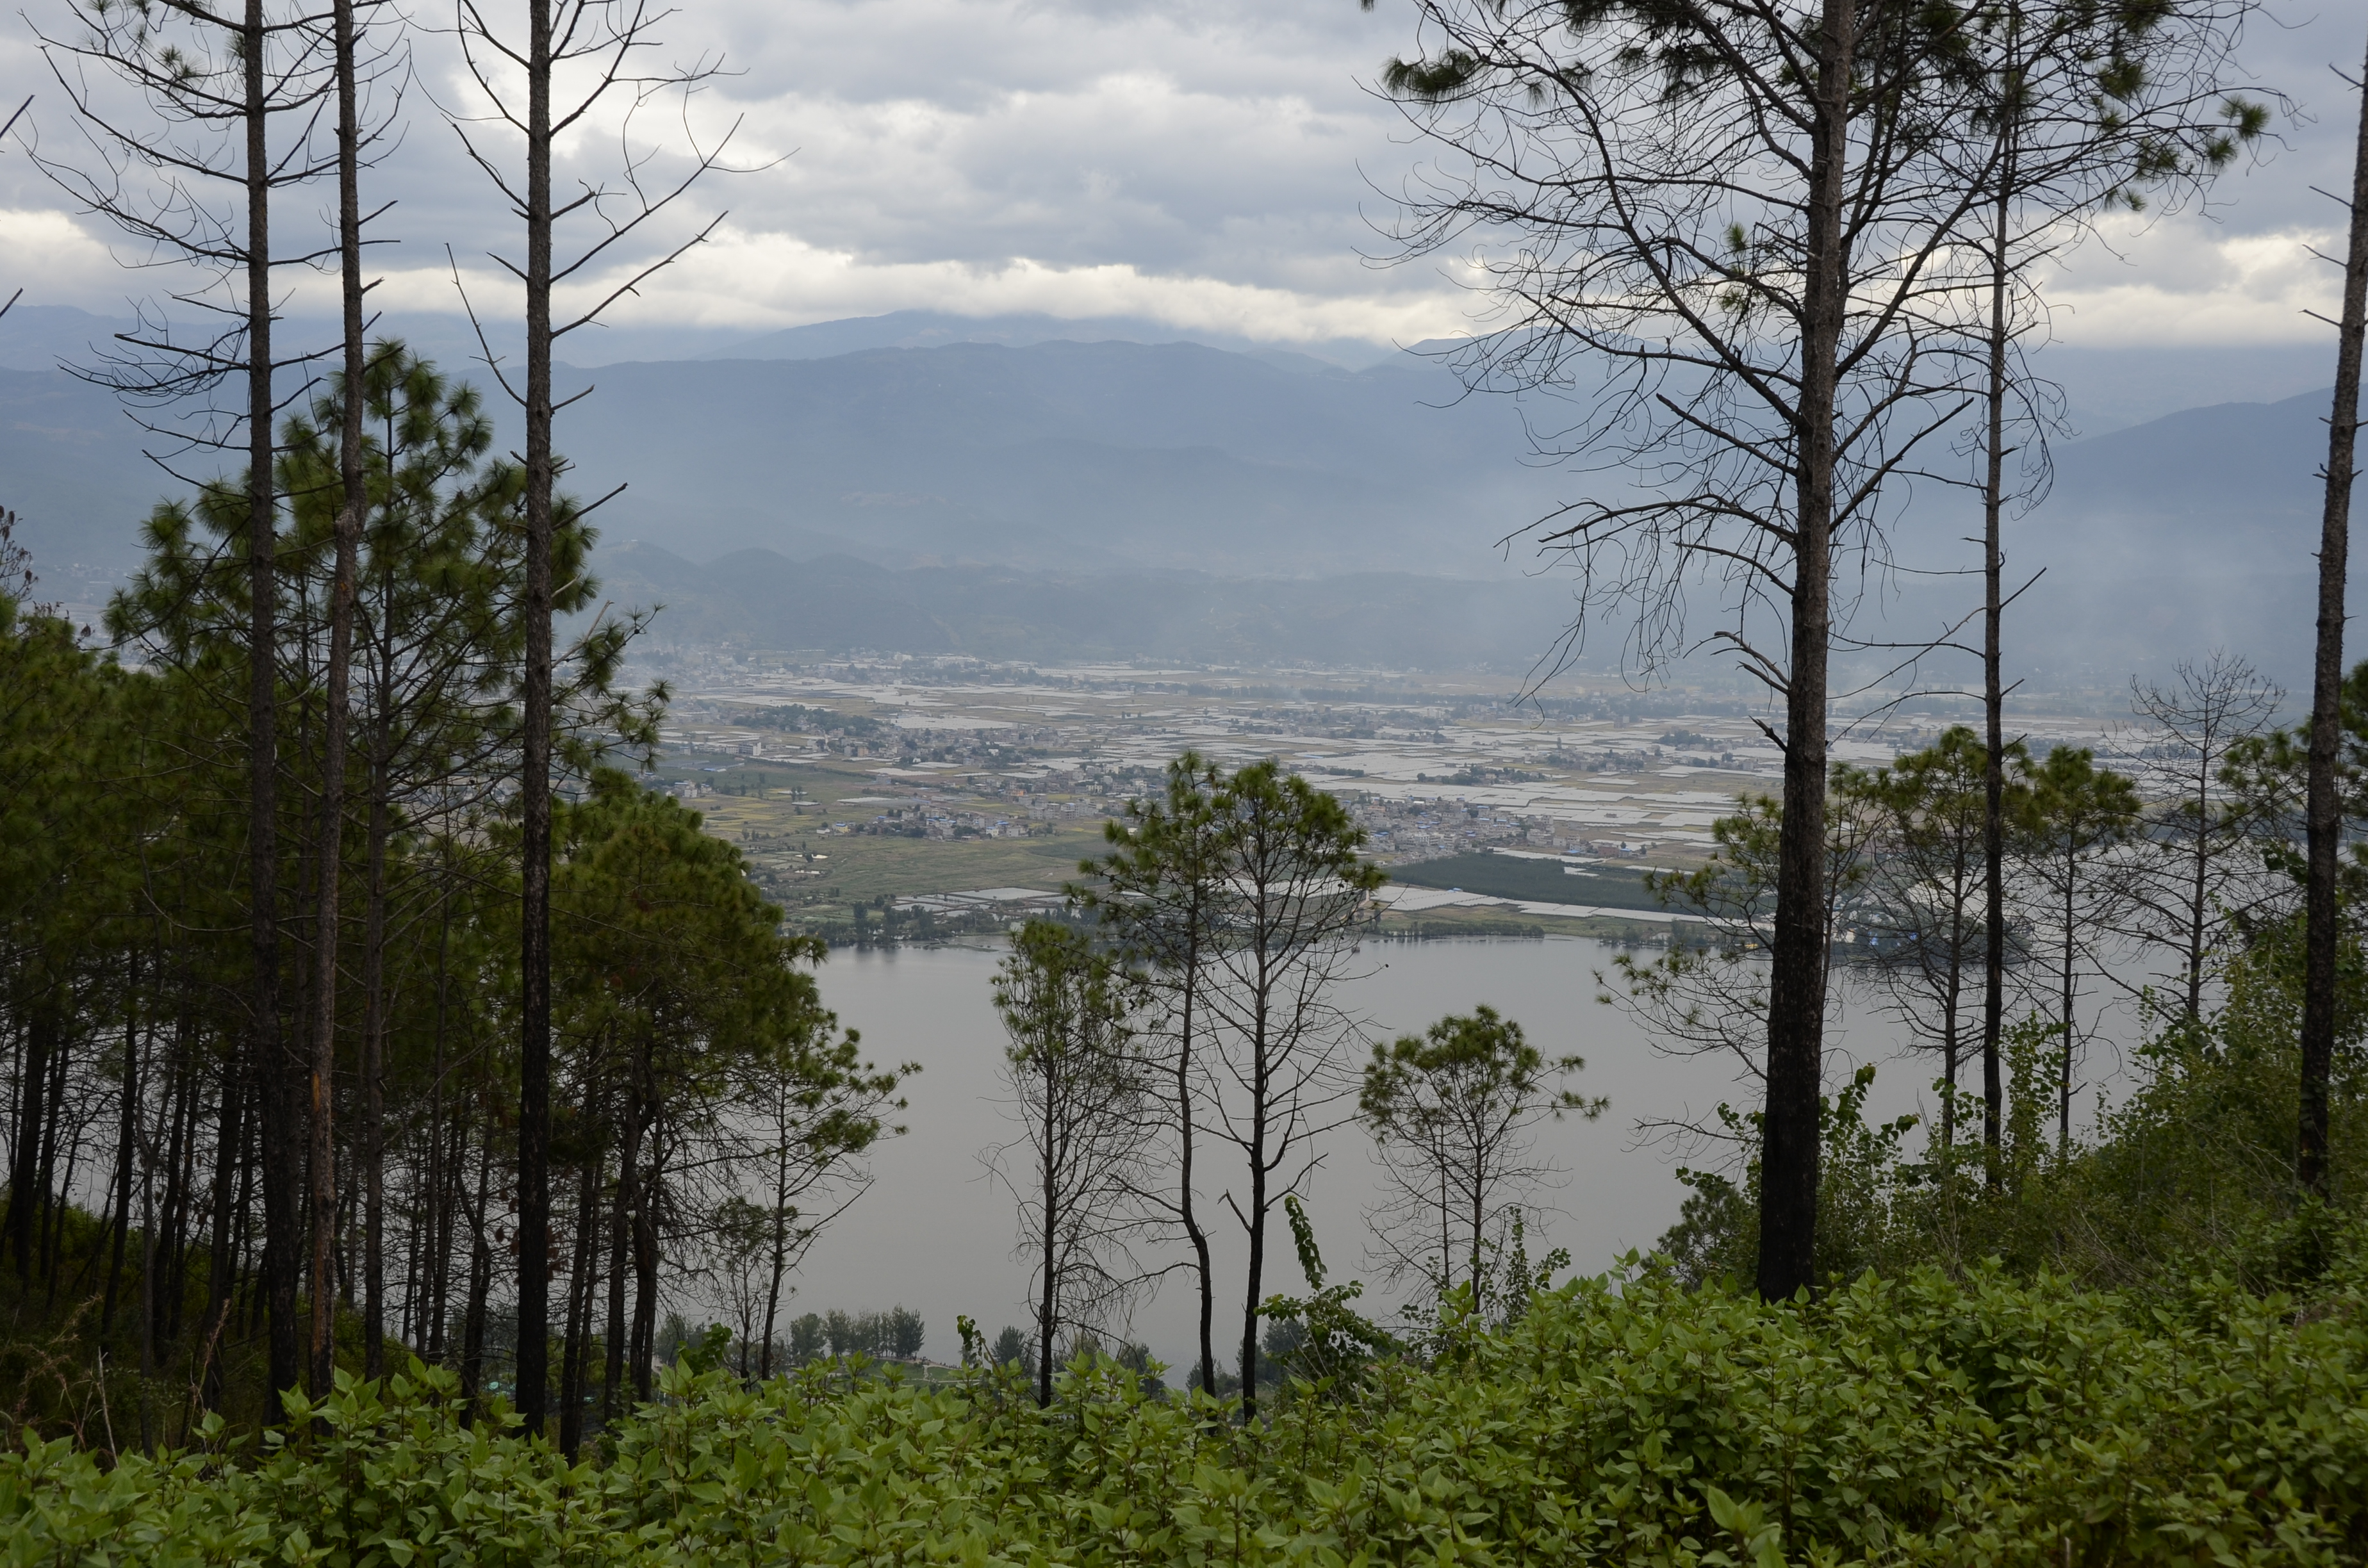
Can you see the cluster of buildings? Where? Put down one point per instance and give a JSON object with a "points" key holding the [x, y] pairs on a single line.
{"points": [[1409, 830]]}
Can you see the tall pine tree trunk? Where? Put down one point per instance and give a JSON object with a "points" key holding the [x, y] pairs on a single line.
{"points": [[2325, 810], [222, 1264], [579, 1306], [42, 1032], [282, 1143], [629, 1155], [1193, 1230], [127, 1123], [372, 1088], [534, 780], [1797, 997], [342, 588], [1993, 683]]}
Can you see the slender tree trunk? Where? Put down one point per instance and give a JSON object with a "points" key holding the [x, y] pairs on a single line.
{"points": [[437, 1220], [127, 1125], [181, 1113], [534, 781], [1796, 1000], [628, 1203], [71, 1129], [2325, 810], [1952, 1046], [1193, 1230], [33, 1082], [284, 1149], [411, 1326], [1446, 1233], [1993, 674], [45, 1192], [221, 1263], [579, 1309], [2199, 894], [340, 680], [1048, 1295], [1261, 1088], [1479, 1218], [2064, 1100], [243, 1235], [374, 1070], [481, 1279], [780, 1261], [147, 1295], [451, 1208], [645, 1272]]}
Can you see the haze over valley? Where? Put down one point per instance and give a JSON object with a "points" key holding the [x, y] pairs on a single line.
{"points": [[1050, 495]]}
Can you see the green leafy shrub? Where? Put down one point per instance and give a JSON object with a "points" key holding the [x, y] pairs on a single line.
{"points": [[1924, 1419]]}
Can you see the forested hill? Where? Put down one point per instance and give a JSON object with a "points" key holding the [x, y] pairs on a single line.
{"points": [[1037, 499]]}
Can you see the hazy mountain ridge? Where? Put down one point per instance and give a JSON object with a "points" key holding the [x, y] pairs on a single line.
{"points": [[1235, 496], [758, 599], [1063, 455]]}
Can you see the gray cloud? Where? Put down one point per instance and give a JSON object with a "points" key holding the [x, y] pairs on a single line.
{"points": [[1210, 166]]}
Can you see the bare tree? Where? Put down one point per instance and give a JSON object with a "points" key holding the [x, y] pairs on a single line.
{"points": [[2083, 109], [347, 47], [1158, 892], [1296, 899], [2194, 871], [1736, 224], [1708, 992], [1082, 1099], [2080, 813], [597, 47], [817, 1109], [1450, 1111], [1927, 894]]}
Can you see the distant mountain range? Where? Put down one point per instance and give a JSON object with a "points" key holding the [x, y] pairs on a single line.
{"points": [[1060, 456], [759, 599], [881, 483]]}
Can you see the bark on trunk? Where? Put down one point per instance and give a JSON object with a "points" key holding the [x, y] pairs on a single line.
{"points": [[1192, 1227], [645, 1279], [283, 1146], [1048, 1299], [32, 1083], [579, 1310], [126, 1123], [2063, 1101], [2325, 810], [481, 1279], [1261, 1088], [1993, 684], [373, 1140], [1796, 999], [534, 780], [628, 1197]]}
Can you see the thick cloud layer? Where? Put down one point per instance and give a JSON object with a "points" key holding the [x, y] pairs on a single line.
{"points": [[1210, 166]]}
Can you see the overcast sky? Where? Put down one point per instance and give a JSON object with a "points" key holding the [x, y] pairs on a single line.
{"points": [[1209, 166]]}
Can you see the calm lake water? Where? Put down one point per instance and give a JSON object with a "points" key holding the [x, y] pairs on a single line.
{"points": [[936, 1234]]}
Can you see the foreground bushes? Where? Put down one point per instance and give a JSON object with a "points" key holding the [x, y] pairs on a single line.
{"points": [[1918, 1420]]}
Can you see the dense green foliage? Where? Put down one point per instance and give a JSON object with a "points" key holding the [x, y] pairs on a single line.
{"points": [[2195, 1164], [1923, 1419]]}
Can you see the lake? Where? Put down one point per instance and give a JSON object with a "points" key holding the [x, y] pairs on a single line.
{"points": [[936, 1234]]}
